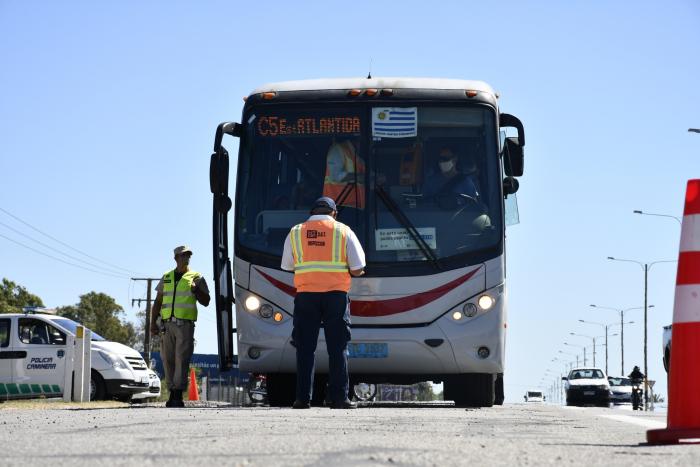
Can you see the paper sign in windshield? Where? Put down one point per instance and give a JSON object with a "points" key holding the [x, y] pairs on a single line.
{"points": [[394, 122], [400, 239]]}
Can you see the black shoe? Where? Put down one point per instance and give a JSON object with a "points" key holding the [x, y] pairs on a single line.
{"points": [[177, 399], [171, 399], [346, 404], [301, 404]]}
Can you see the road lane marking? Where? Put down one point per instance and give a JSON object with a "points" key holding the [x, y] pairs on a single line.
{"points": [[645, 422]]}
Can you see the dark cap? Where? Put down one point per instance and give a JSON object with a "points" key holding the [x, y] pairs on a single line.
{"points": [[324, 203]]}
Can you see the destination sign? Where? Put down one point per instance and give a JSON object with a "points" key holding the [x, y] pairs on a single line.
{"points": [[281, 126]]}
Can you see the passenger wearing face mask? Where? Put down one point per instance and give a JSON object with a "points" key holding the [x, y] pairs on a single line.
{"points": [[449, 185]]}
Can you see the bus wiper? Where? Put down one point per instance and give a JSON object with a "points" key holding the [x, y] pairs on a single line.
{"points": [[344, 193], [408, 225]]}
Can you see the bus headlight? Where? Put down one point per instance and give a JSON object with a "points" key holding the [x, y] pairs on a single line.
{"points": [[457, 315], [265, 311], [252, 303], [469, 310], [486, 302], [278, 317]]}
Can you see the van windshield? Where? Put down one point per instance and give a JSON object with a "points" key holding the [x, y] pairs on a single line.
{"points": [[70, 326]]}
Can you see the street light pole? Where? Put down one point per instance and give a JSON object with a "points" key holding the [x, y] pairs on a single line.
{"points": [[584, 352], [622, 312], [637, 211], [645, 267]]}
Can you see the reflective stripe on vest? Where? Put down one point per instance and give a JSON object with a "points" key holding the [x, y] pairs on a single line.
{"points": [[320, 256], [181, 300]]}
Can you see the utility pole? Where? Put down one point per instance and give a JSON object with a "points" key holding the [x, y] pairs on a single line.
{"points": [[147, 326]]}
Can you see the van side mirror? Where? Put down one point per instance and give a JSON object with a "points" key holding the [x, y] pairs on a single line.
{"points": [[510, 186]]}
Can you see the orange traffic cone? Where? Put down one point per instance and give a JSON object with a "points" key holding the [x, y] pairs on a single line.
{"points": [[193, 392], [684, 378]]}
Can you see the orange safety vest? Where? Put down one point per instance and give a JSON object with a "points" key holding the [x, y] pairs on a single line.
{"points": [[343, 166], [320, 256]]}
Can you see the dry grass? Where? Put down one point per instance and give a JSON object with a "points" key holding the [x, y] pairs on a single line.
{"points": [[58, 404]]}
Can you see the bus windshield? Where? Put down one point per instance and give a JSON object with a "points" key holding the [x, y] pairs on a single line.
{"points": [[433, 169]]}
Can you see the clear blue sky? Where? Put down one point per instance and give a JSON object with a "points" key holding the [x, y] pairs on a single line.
{"points": [[108, 113]]}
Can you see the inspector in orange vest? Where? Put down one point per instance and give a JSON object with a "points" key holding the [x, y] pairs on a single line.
{"points": [[320, 257]]}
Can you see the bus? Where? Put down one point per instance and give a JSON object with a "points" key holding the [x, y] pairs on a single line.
{"points": [[420, 169]]}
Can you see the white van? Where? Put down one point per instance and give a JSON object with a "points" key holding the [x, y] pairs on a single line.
{"points": [[534, 396], [32, 360]]}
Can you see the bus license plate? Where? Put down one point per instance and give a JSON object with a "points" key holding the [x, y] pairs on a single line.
{"points": [[369, 350]]}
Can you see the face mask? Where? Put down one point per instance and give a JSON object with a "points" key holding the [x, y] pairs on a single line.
{"points": [[446, 166]]}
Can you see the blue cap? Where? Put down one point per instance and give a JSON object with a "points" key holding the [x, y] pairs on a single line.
{"points": [[324, 202]]}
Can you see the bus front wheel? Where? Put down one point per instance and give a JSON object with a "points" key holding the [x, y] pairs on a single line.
{"points": [[471, 389], [281, 389], [500, 393]]}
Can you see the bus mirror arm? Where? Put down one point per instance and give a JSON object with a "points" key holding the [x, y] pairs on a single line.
{"points": [[513, 159], [508, 120], [226, 128]]}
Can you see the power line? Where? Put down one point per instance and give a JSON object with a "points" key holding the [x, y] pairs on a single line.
{"points": [[62, 243], [61, 260], [113, 271]]}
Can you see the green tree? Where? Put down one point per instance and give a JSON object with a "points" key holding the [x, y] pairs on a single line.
{"points": [[425, 391], [13, 297], [141, 329], [102, 314]]}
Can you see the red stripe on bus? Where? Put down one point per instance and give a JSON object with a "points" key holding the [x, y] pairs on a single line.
{"points": [[392, 306], [688, 268], [692, 198]]}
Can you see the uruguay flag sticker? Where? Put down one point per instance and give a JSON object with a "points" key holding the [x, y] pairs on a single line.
{"points": [[394, 122]]}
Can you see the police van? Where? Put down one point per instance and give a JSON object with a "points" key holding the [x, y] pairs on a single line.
{"points": [[33, 359]]}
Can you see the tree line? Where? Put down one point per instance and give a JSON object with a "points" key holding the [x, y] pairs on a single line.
{"points": [[95, 310]]}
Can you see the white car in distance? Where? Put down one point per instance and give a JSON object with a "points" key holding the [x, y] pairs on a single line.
{"points": [[620, 389], [534, 396]]}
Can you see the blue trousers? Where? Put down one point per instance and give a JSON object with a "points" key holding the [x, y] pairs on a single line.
{"points": [[332, 311]]}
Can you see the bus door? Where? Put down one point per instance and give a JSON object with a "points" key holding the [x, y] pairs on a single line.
{"points": [[6, 357], [41, 371], [223, 279]]}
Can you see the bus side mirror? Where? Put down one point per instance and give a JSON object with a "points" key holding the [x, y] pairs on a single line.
{"points": [[513, 158], [510, 186], [513, 147]]}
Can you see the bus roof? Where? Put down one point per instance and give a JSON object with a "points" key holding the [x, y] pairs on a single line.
{"points": [[395, 83]]}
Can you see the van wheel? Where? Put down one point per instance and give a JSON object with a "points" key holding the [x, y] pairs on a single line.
{"points": [[97, 387]]}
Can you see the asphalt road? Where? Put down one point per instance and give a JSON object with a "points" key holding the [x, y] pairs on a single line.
{"points": [[515, 434]]}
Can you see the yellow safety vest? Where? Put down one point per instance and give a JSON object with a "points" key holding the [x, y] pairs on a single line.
{"points": [[179, 300]]}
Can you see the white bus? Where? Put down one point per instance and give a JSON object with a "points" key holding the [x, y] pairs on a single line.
{"points": [[420, 172]]}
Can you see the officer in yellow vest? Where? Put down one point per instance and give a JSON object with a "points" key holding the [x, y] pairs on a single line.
{"points": [[176, 304], [323, 253]]}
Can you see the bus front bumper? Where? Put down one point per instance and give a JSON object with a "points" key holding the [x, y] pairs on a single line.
{"points": [[445, 346]]}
